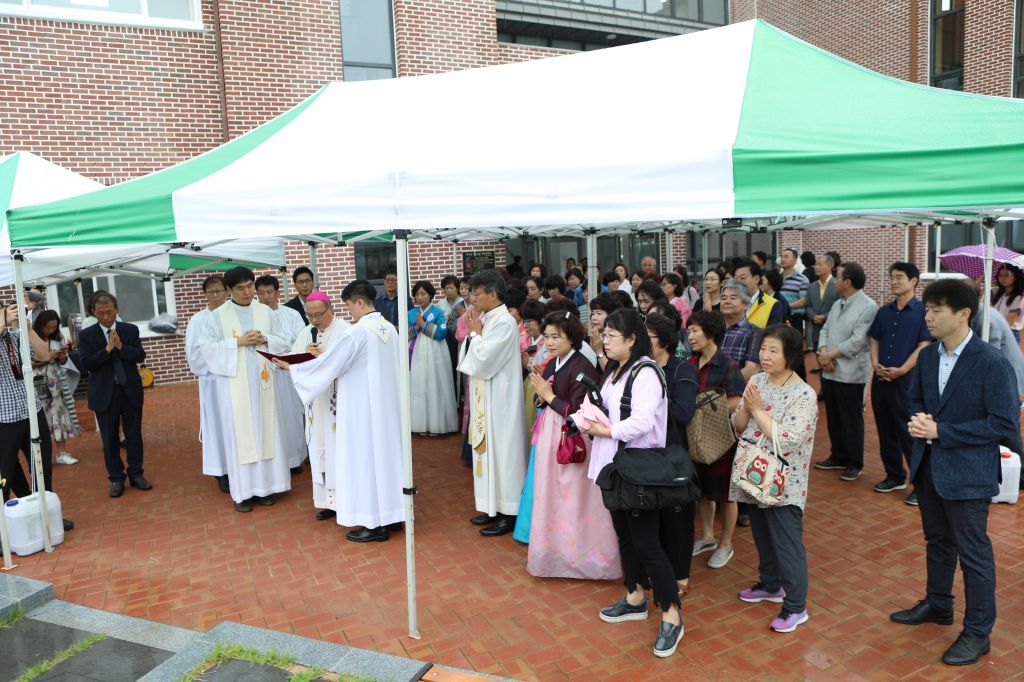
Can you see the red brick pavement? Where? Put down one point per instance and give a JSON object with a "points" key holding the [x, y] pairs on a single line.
{"points": [[180, 554]]}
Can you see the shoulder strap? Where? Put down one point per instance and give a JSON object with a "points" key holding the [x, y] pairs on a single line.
{"points": [[625, 404]]}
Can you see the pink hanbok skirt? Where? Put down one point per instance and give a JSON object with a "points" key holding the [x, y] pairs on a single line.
{"points": [[571, 535]]}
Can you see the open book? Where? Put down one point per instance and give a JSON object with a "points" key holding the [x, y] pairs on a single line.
{"points": [[294, 359]]}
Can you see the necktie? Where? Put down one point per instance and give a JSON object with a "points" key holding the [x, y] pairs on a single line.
{"points": [[119, 377]]}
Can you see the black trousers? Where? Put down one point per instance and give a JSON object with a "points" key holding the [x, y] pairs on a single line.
{"points": [[957, 529], [844, 411], [15, 437], [889, 403], [121, 415], [643, 557], [677, 534]]}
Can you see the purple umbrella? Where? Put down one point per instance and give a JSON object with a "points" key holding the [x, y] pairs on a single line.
{"points": [[970, 260]]}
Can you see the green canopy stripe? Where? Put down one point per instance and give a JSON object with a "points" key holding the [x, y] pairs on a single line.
{"points": [[137, 211], [818, 133], [8, 172]]}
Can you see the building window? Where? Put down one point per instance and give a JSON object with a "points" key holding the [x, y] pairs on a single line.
{"points": [[708, 11], [373, 261], [723, 246], [181, 14], [1008, 234], [1018, 52], [367, 40], [948, 44], [139, 299]]}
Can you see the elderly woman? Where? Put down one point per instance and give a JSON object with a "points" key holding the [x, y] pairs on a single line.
{"points": [[430, 366], [778, 398]]}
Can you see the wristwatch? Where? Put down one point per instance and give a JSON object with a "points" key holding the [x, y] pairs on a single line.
{"points": [[473, 335]]}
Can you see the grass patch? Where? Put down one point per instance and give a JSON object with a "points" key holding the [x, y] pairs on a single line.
{"points": [[299, 673], [40, 668], [12, 617]]}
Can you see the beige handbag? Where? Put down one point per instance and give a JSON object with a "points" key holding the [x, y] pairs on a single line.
{"points": [[760, 471], [710, 432]]}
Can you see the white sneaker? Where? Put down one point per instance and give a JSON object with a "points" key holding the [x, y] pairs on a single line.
{"points": [[720, 558], [65, 458], [701, 546]]}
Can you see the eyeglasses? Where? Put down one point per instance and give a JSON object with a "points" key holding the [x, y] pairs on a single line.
{"points": [[610, 335], [317, 316], [215, 292]]}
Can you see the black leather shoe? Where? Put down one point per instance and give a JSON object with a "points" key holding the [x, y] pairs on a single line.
{"points": [[296, 470], [483, 520], [922, 612], [224, 484], [368, 535], [668, 639], [622, 610], [68, 525], [267, 501], [396, 527], [116, 488], [244, 506], [504, 524], [140, 483], [325, 514], [967, 649]]}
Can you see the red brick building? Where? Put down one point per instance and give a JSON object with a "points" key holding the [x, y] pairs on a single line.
{"points": [[114, 89]]}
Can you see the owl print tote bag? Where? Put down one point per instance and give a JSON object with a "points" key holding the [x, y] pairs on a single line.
{"points": [[760, 470]]}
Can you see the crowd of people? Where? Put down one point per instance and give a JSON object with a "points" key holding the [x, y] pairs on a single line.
{"points": [[550, 387]]}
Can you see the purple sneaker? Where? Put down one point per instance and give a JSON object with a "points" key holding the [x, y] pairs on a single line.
{"points": [[787, 622], [757, 593]]}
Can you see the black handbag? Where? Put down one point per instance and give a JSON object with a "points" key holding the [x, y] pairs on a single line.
{"points": [[641, 479]]}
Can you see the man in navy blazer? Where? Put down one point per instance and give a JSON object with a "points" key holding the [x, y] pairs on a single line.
{"points": [[110, 353], [963, 399]]}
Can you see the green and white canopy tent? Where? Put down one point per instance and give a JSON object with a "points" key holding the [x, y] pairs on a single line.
{"points": [[741, 121]]}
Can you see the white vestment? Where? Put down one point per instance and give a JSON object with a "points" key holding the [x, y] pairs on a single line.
{"points": [[236, 369], [290, 419], [211, 425], [365, 362], [320, 420], [497, 429]]}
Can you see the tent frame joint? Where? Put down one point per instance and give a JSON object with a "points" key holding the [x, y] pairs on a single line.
{"points": [[401, 234], [410, 491]]}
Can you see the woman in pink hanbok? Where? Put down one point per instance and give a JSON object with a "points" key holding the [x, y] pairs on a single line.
{"points": [[571, 533]]}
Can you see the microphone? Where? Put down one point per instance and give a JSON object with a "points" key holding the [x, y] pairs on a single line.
{"points": [[593, 390], [313, 332]]}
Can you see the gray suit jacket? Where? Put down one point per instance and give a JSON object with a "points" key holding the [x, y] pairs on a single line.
{"points": [[818, 305], [846, 330]]}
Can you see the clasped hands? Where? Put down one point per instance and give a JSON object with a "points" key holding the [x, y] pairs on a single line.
{"points": [[922, 425], [888, 373], [253, 337], [113, 341], [827, 359], [473, 321]]}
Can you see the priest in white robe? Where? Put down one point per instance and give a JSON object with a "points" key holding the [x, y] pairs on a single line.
{"points": [[497, 427], [211, 426], [244, 390], [364, 360], [324, 329], [290, 418]]}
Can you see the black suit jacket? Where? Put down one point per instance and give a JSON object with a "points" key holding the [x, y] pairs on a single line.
{"points": [[977, 408], [297, 305], [92, 345]]}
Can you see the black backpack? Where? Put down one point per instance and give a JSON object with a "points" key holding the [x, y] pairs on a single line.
{"points": [[641, 479]]}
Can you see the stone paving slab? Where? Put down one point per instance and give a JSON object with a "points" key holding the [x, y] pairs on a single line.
{"points": [[136, 630], [16, 590], [29, 642], [108, 660]]}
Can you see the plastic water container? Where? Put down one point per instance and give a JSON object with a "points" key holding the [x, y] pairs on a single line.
{"points": [[26, 527], [1009, 489]]}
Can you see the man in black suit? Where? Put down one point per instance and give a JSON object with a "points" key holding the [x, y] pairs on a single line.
{"points": [[110, 352], [302, 278], [963, 400]]}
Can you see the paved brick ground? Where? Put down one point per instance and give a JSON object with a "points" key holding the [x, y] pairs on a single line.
{"points": [[180, 554]]}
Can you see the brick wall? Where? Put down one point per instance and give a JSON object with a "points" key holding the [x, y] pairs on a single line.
{"points": [[988, 47]]}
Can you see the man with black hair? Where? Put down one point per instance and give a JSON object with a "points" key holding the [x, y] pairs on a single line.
{"points": [[497, 428], [290, 417], [897, 335], [793, 288], [302, 278], [963, 400], [245, 392], [211, 429], [845, 368], [363, 365], [764, 310], [387, 302]]}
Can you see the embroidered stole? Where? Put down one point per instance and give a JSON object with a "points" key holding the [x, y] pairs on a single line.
{"points": [[241, 406]]}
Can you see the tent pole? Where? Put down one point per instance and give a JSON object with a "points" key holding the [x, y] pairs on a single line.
{"points": [[284, 281], [81, 296], [703, 253], [592, 267], [668, 250], [38, 482], [906, 243], [405, 412], [938, 246], [988, 229], [312, 265]]}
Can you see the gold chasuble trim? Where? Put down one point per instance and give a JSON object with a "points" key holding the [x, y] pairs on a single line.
{"points": [[241, 406]]}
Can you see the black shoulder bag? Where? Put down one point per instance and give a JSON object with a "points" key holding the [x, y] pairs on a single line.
{"points": [[640, 479]]}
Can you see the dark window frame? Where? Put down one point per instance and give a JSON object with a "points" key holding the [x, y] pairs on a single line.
{"points": [[937, 15], [393, 65], [1018, 51]]}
